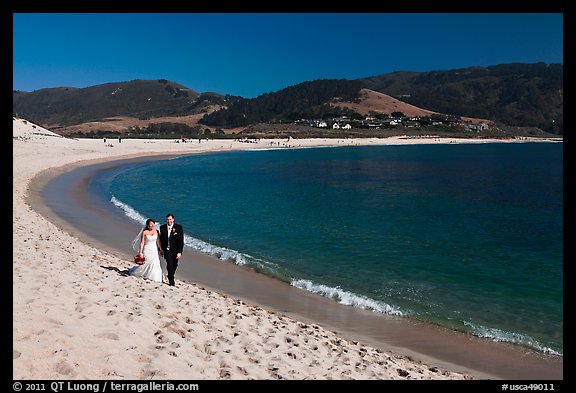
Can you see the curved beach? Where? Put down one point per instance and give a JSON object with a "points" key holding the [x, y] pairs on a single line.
{"points": [[75, 316]]}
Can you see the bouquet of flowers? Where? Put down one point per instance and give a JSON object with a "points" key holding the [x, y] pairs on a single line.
{"points": [[139, 259]]}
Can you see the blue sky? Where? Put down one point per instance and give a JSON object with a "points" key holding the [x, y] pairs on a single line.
{"points": [[253, 54]]}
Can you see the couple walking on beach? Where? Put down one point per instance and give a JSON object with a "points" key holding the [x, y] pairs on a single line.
{"points": [[168, 242]]}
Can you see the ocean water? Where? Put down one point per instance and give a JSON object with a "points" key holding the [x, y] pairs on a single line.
{"points": [[466, 236]]}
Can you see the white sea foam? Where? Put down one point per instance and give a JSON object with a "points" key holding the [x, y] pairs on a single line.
{"points": [[515, 338], [222, 253], [128, 210], [347, 298]]}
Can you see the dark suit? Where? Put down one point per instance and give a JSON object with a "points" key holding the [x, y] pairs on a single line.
{"points": [[171, 245]]}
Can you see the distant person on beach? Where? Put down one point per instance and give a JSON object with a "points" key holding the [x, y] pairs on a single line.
{"points": [[148, 247], [172, 245]]}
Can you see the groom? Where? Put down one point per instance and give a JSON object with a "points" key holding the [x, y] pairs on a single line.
{"points": [[172, 243]]}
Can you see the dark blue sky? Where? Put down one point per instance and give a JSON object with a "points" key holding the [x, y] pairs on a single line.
{"points": [[252, 54]]}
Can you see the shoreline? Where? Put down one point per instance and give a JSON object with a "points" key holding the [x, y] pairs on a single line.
{"points": [[31, 194], [442, 347]]}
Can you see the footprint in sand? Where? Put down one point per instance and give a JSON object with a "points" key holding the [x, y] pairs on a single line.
{"points": [[64, 368], [189, 320], [208, 350], [109, 336], [160, 337]]}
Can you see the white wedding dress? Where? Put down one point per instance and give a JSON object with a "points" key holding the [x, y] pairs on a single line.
{"points": [[151, 268]]}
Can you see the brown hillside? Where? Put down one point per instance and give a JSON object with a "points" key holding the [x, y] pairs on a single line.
{"points": [[123, 123], [373, 101]]}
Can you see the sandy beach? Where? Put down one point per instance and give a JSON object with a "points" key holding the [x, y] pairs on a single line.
{"points": [[76, 317]]}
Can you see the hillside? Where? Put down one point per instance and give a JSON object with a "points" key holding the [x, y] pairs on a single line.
{"points": [[509, 95], [320, 99], [142, 99], [370, 101], [304, 100], [526, 95]]}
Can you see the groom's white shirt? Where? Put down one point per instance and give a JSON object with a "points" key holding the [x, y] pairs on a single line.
{"points": [[169, 229]]}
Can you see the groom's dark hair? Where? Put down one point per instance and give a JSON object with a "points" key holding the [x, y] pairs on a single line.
{"points": [[169, 215]]}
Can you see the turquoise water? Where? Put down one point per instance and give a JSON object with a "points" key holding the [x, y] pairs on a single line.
{"points": [[465, 236]]}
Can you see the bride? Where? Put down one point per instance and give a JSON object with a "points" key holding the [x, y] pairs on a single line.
{"points": [[149, 246]]}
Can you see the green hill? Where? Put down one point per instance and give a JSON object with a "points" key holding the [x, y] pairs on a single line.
{"points": [[304, 100], [525, 95], [138, 98]]}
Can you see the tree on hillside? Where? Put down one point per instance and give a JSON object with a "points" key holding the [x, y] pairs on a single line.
{"points": [[305, 100]]}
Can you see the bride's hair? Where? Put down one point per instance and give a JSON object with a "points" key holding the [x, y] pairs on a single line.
{"points": [[148, 221], [136, 241]]}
